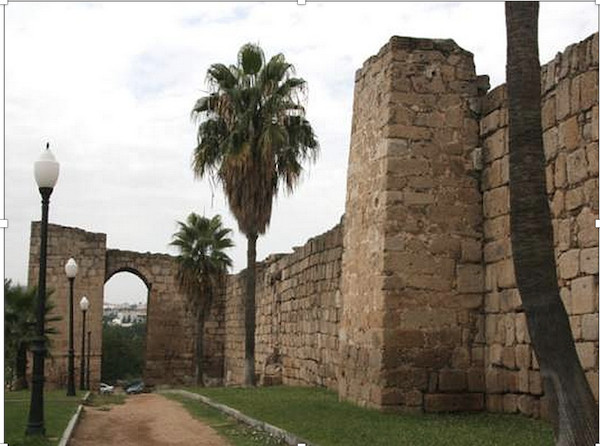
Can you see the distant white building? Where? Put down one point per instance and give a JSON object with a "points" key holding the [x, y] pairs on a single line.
{"points": [[125, 314]]}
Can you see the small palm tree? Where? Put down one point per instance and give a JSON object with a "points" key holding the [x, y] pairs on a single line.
{"points": [[19, 329], [202, 270], [252, 139]]}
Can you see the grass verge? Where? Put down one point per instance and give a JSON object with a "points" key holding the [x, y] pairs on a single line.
{"points": [[227, 427], [317, 415], [58, 410]]}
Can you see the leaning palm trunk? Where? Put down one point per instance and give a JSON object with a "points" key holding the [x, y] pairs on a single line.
{"points": [[573, 411], [250, 313]]}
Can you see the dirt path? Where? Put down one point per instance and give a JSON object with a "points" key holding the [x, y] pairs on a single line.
{"points": [[147, 420]]}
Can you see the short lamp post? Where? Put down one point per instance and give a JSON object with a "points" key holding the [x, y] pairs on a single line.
{"points": [[71, 270], [84, 304], [46, 170]]}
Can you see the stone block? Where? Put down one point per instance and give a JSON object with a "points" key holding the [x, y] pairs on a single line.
{"points": [[495, 354], [589, 89], [509, 403], [548, 112], [496, 250], [574, 198], [588, 261], [591, 151], [590, 193], [494, 403], [577, 169], [452, 380], [448, 402], [563, 100], [583, 294], [470, 251], [496, 202], [495, 146], [560, 170], [587, 354], [476, 380], [470, 278], [521, 331], [587, 234], [523, 356], [506, 274], [535, 383], [589, 327], [568, 264], [550, 139]]}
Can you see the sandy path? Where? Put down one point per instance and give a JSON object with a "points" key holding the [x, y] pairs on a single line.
{"points": [[147, 420]]}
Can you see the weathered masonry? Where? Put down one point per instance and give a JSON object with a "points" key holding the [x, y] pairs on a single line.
{"points": [[409, 303]]}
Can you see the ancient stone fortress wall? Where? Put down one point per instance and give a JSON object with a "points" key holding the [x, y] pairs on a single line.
{"points": [[169, 340], [412, 278], [570, 126], [298, 306]]}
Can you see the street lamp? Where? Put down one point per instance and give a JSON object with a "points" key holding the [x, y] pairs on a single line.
{"points": [[84, 304], [45, 171], [71, 270]]}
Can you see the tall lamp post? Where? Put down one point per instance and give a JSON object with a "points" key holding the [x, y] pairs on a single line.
{"points": [[71, 270], [84, 304], [45, 170], [89, 349]]}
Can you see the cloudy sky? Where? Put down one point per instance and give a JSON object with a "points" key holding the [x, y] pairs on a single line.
{"points": [[111, 86]]}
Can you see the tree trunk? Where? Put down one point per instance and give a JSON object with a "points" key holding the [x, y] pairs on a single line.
{"points": [[200, 348], [21, 367], [573, 410], [250, 312]]}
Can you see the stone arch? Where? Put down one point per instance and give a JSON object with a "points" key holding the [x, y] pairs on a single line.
{"points": [[169, 339]]}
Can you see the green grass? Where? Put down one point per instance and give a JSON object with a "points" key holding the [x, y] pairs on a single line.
{"points": [[237, 434], [316, 415], [58, 410]]}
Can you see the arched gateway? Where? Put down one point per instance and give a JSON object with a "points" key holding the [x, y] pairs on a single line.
{"points": [[170, 327]]}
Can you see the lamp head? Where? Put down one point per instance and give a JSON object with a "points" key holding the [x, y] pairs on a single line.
{"points": [[71, 268], [46, 169], [84, 303]]}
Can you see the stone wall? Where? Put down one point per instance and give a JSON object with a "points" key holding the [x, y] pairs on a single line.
{"points": [[412, 277], [88, 249], [169, 340], [570, 126], [298, 307]]}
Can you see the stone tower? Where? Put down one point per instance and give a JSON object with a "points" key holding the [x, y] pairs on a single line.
{"points": [[412, 274]]}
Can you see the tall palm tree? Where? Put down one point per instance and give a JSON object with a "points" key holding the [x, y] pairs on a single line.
{"points": [[252, 139], [19, 329], [202, 270], [574, 411]]}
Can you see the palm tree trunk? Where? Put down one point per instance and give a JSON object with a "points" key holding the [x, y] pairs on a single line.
{"points": [[21, 367], [200, 348], [250, 312], [574, 412]]}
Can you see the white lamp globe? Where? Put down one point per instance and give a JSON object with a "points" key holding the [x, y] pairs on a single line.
{"points": [[71, 268], [84, 303], [46, 169]]}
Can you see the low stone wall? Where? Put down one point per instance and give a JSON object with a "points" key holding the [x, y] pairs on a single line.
{"points": [[570, 126], [297, 313]]}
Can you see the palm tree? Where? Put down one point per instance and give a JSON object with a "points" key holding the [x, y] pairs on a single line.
{"points": [[574, 411], [202, 270], [252, 139], [19, 329]]}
